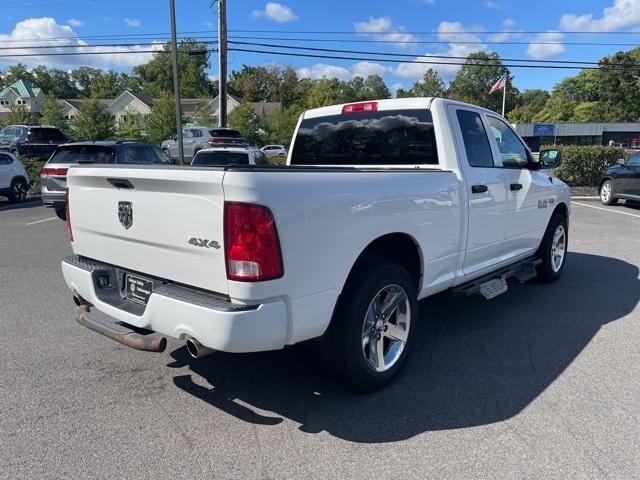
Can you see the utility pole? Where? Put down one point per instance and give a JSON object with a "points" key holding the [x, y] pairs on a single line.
{"points": [[176, 81], [222, 64]]}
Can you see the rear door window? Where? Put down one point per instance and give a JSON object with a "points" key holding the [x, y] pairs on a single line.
{"points": [[83, 154], [391, 137], [474, 136], [220, 158]]}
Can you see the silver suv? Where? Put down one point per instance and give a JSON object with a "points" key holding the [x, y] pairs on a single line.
{"points": [[196, 138], [14, 181]]}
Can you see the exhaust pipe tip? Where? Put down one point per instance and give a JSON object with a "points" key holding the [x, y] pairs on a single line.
{"points": [[196, 349]]}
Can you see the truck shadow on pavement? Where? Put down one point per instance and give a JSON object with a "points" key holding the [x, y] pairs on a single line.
{"points": [[475, 362]]}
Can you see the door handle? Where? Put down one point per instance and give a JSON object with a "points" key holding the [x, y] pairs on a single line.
{"points": [[515, 187], [479, 188]]}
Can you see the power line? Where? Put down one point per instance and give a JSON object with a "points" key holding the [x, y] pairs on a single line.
{"points": [[425, 62], [387, 54], [118, 52]]}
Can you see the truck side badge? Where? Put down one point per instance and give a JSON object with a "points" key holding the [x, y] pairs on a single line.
{"points": [[201, 242]]}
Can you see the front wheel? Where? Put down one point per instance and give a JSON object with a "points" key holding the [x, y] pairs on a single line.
{"points": [[374, 326], [553, 249], [18, 191], [606, 193]]}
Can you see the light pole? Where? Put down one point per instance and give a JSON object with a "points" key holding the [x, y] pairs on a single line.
{"points": [[176, 81]]}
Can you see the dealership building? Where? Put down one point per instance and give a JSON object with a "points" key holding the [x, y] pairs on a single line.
{"points": [[574, 133]]}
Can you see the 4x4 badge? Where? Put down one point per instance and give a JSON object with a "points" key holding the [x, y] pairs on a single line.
{"points": [[125, 214]]}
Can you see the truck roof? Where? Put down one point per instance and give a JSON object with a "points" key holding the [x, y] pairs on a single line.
{"points": [[387, 104]]}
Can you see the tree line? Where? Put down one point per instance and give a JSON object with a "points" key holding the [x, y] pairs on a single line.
{"points": [[608, 93]]}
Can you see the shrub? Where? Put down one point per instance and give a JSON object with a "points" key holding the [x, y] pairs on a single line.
{"points": [[583, 165], [33, 168]]}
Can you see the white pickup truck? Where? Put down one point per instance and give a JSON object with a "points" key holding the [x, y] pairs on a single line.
{"points": [[380, 204]]}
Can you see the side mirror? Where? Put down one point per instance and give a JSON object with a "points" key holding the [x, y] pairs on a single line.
{"points": [[550, 159], [620, 161]]}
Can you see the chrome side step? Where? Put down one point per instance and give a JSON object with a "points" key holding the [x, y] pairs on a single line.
{"points": [[495, 283]]}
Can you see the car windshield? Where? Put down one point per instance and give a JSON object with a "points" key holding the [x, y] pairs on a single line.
{"points": [[225, 133], [84, 154], [221, 158]]}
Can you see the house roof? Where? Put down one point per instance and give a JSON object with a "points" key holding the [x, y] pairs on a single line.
{"points": [[143, 97], [23, 89], [263, 109], [77, 102]]}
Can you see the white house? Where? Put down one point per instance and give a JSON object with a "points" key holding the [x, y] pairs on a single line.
{"points": [[21, 93]]}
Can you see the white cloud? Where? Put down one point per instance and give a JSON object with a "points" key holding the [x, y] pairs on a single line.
{"points": [[447, 31], [132, 22], [542, 50], [622, 14], [364, 69], [323, 70], [382, 28], [491, 5], [277, 12], [40, 31], [74, 22], [508, 25]]}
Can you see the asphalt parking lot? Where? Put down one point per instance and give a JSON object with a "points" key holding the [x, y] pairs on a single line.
{"points": [[540, 382]]}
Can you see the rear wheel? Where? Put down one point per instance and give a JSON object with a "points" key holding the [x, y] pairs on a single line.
{"points": [[18, 190], [553, 250], [374, 326], [61, 212], [606, 193]]}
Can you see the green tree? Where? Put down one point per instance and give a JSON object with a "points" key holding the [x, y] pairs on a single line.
{"points": [[431, 85], [474, 80], [587, 112], [111, 84], [94, 122], [129, 127], [156, 76], [557, 109], [373, 88], [53, 113], [619, 88], [161, 123], [326, 91], [84, 78], [247, 123], [18, 115], [14, 73], [531, 103], [281, 124], [55, 81]]}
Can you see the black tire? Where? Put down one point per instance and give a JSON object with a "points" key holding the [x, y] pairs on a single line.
{"points": [[18, 190], [548, 270], [343, 347], [607, 197], [61, 212]]}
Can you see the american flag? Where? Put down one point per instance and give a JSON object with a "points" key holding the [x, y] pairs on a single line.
{"points": [[499, 85]]}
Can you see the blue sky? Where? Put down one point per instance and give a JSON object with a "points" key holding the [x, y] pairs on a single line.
{"points": [[389, 23]]}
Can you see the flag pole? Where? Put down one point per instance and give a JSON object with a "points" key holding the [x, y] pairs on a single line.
{"points": [[504, 94]]}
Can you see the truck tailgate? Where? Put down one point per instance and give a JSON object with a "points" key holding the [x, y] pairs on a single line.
{"points": [[174, 210]]}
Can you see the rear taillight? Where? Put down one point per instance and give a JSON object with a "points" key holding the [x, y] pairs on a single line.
{"points": [[360, 107], [68, 214], [54, 172], [251, 243]]}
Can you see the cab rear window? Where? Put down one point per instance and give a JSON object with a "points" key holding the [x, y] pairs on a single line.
{"points": [[220, 158], [391, 137]]}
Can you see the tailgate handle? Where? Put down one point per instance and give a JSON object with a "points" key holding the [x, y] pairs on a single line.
{"points": [[120, 182]]}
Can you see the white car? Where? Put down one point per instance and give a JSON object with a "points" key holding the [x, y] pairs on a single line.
{"points": [[14, 180], [279, 151], [226, 156], [381, 204]]}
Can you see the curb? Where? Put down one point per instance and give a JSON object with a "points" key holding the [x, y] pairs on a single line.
{"points": [[585, 198]]}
